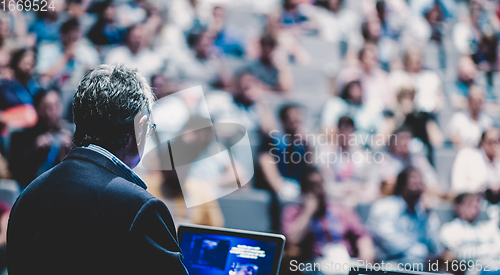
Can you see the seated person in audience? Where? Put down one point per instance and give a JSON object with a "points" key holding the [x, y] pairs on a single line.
{"points": [[37, 149], [292, 15], [4, 220], [401, 225], [272, 67], [48, 22], [283, 155], [246, 106], [349, 170], [286, 41], [203, 65], [134, 54], [428, 87], [226, 40], [399, 156], [423, 124], [16, 95], [105, 31], [478, 169], [65, 60], [466, 238], [314, 225], [466, 79], [162, 86], [377, 90], [282, 158], [171, 194], [351, 103], [13, 36], [22, 87], [4, 168], [465, 127]]}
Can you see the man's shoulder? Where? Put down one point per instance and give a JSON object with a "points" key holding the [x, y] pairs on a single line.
{"points": [[122, 190], [387, 205]]}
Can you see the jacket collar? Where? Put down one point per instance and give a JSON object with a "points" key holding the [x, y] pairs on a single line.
{"points": [[85, 154]]}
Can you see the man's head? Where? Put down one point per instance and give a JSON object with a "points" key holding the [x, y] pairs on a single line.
{"points": [[399, 142], [371, 29], [466, 70], [353, 93], [203, 44], [410, 185], [48, 108], [267, 45], [110, 101], [70, 32], [490, 143], [413, 61], [475, 101], [466, 206], [4, 29], [346, 130], [291, 118], [312, 183], [23, 63], [248, 89], [135, 38], [368, 57], [406, 99]]}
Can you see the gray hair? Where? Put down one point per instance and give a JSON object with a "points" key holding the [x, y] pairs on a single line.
{"points": [[105, 104]]}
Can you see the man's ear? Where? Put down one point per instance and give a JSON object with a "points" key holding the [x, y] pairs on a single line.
{"points": [[140, 133], [140, 129]]}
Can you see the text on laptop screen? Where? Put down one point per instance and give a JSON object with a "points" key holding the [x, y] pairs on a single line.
{"points": [[210, 254]]}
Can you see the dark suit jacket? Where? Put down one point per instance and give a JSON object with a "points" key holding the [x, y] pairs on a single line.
{"points": [[82, 217]]}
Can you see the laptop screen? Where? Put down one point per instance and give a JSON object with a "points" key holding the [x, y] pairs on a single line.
{"points": [[217, 253]]}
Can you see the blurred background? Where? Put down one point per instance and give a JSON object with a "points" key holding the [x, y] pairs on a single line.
{"points": [[404, 93]]}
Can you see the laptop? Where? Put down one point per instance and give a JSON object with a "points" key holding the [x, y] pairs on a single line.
{"points": [[216, 251]]}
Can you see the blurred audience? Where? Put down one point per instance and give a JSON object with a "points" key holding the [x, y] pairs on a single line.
{"points": [[37, 149], [272, 66], [46, 27], [22, 87], [369, 75], [429, 95], [423, 124], [105, 30], [468, 238], [245, 105], [465, 127], [202, 65], [283, 154], [351, 103], [314, 224], [402, 227], [134, 54], [66, 59], [401, 155], [466, 79], [171, 193], [227, 41], [16, 94], [478, 169], [375, 82], [349, 169]]}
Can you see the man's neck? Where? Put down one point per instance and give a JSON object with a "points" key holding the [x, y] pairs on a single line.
{"points": [[125, 157]]}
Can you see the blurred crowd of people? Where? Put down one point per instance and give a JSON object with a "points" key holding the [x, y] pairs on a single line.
{"points": [[349, 161]]}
